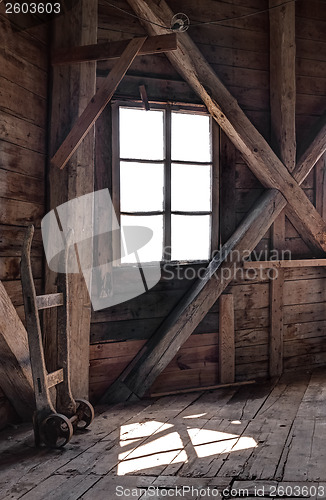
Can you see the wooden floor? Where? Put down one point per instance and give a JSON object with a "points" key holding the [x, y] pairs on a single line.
{"points": [[254, 441]]}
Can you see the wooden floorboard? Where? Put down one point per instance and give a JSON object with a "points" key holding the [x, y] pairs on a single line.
{"points": [[264, 440]]}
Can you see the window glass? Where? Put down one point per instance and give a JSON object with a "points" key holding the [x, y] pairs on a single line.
{"points": [[141, 187], [190, 137], [152, 251], [143, 138], [190, 237], [190, 187], [141, 134]]}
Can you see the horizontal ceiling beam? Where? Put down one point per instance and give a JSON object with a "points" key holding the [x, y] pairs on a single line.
{"points": [[113, 50]]}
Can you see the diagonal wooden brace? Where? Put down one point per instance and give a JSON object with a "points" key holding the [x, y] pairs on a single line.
{"points": [[261, 159], [95, 107]]}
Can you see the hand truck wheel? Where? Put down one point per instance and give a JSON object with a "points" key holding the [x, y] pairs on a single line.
{"points": [[56, 430], [85, 413]]}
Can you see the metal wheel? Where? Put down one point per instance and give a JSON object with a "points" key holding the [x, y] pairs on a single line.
{"points": [[85, 413], [56, 430]]}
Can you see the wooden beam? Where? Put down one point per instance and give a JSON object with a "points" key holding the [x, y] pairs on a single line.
{"points": [[264, 163], [284, 264], [283, 81], [226, 340], [276, 324], [113, 50], [72, 88], [144, 97], [227, 191], [283, 106], [96, 105], [201, 389], [55, 378], [15, 370], [47, 301], [160, 349]]}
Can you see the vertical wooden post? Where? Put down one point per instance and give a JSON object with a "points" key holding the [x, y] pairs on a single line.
{"points": [[72, 88], [283, 99], [227, 189], [276, 326], [103, 245], [226, 340]]}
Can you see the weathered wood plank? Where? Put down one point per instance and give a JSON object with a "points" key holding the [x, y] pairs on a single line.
{"points": [[227, 191], [22, 103], [226, 339], [283, 139], [72, 89], [16, 375], [55, 378], [18, 159], [113, 50], [51, 300], [20, 213], [18, 131], [276, 325], [20, 187]]}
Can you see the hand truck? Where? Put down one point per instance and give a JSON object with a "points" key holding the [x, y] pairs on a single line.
{"points": [[53, 427]]}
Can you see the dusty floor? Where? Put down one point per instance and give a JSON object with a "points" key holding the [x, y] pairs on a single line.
{"points": [[264, 440]]}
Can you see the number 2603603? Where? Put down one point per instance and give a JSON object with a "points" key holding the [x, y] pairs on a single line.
{"points": [[33, 8]]}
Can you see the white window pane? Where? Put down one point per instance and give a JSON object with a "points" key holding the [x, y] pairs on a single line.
{"points": [[141, 134], [141, 186], [191, 187], [190, 237], [152, 251], [190, 137]]}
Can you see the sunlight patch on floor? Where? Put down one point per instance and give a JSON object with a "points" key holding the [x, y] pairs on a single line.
{"points": [[146, 450]]}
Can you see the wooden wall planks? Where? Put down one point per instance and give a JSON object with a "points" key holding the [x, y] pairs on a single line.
{"points": [[23, 130]]}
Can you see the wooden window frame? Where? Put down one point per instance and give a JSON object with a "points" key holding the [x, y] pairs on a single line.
{"points": [[167, 162]]}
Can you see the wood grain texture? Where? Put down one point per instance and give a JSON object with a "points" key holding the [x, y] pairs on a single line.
{"points": [[72, 89], [226, 339], [283, 139], [113, 50], [16, 375]]}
